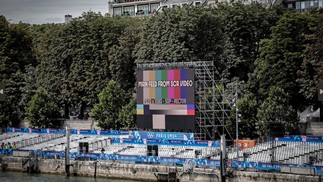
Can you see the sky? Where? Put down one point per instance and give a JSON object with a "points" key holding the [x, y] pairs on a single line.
{"points": [[48, 11]]}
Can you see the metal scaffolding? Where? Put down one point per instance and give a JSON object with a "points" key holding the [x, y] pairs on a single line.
{"points": [[213, 100]]}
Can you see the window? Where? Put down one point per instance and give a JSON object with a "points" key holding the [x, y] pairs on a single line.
{"points": [[154, 7], [129, 10], [292, 5], [316, 4], [298, 6], [175, 5], [143, 9], [320, 3], [311, 4], [307, 5], [117, 11], [198, 3], [302, 6]]}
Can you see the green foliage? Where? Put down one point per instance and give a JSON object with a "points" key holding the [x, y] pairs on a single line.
{"points": [[122, 60], [276, 109], [311, 72], [181, 34], [248, 122], [42, 111], [127, 114], [15, 56], [111, 100], [244, 26], [281, 58], [74, 59], [277, 52]]}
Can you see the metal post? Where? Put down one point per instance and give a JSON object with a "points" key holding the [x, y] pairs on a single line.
{"points": [[67, 153], [223, 158], [237, 121], [95, 165]]}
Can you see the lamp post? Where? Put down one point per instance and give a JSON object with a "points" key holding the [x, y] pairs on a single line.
{"points": [[237, 121]]}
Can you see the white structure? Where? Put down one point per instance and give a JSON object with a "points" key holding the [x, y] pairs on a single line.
{"points": [[68, 18]]}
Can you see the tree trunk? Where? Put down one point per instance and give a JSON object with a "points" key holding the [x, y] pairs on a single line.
{"points": [[83, 106], [66, 110]]}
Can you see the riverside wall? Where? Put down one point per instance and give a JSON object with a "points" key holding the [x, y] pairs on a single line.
{"points": [[146, 172]]}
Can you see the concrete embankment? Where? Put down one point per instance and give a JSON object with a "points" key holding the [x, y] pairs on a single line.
{"points": [[145, 172]]}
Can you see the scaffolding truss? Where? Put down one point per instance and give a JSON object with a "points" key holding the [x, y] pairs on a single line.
{"points": [[213, 100]]}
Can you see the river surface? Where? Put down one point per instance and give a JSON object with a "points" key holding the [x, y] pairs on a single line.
{"points": [[25, 177]]}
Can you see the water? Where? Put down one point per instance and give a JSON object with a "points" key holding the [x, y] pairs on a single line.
{"points": [[24, 177]]}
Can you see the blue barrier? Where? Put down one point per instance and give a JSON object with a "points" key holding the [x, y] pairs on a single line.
{"points": [[6, 151], [163, 160], [299, 138], [128, 158], [197, 143]]}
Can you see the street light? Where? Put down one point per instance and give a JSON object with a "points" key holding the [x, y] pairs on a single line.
{"points": [[237, 121]]}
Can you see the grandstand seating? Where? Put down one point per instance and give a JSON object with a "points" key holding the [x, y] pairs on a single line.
{"points": [[24, 140], [284, 152]]}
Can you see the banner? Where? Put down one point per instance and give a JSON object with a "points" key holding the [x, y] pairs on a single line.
{"points": [[139, 135], [113, 132], [6, 151], [55, 131], [300, 138], [198, 143], [164, 160], [18, 130]]}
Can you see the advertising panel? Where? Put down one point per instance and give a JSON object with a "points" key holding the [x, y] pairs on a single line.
{"points": [[166, 99]]}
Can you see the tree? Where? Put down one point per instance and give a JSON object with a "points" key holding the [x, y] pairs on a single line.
{"points": [[16, 55], [311, 71], [111, 100], [74, 59], [248, 123], [42, 111], [181, 34], [127, 114], [276, 109], [281, 58], [122, 59], [245, 26]]}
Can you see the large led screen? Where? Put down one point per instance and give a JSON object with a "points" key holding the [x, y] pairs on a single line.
{"points": [[165, 99]]}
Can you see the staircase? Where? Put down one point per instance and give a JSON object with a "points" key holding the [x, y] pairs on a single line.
{"points": [[314, 128], [78, 124], [30, 165]]}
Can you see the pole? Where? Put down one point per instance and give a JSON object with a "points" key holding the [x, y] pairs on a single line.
{"points": [[223, 158], [95, 165], [237, 121], [67, 153]]}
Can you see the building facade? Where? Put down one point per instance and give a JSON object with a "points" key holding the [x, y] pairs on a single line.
{"points": [[133, 7], [303, 5], [147, 7]]}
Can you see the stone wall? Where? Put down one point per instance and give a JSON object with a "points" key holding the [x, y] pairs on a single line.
{"points": [[144, 172]]}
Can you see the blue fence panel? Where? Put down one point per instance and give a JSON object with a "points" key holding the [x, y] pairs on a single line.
{"points": [[6, 151], [214, 144], [163, 160]]}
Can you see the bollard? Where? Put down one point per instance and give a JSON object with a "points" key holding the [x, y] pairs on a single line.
{"points": [[95, 165]]}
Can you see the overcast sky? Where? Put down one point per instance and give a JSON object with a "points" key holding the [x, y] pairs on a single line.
{"points": [[48, 11]]}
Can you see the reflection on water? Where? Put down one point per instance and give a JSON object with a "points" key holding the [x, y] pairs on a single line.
{"points": [[24, 177]]}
